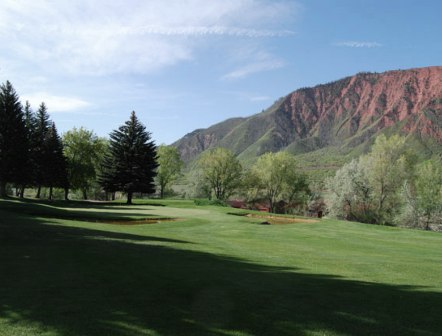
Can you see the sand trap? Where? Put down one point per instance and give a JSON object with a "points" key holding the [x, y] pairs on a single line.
{"points": [[271, 219]]}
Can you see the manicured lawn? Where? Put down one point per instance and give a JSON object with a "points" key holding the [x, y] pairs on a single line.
{"points": [[64, 271]]}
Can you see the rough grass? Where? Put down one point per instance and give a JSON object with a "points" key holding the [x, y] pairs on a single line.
{"points": [[210, 273]]}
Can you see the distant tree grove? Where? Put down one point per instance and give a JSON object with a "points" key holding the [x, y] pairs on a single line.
{"points": [[31, 151], [33, 155], [386, 186]]}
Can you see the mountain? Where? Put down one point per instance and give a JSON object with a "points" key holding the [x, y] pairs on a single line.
{"points": [[340, 117]]}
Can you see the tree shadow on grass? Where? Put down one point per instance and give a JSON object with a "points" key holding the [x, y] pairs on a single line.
{"points": [[85, 204], [88, 282], [62, 210]]}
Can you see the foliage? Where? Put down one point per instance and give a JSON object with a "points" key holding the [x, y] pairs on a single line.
{"points": [[388, 166], [131, 162], [386, 187], [351, 193], [221, 172], [169, 166], [275, 178], [84, 151], [423, 197], [14, 143], [203, 202], [429, 191]]}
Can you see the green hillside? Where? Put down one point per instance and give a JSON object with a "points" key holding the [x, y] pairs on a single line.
{"points": [[329, 124]]}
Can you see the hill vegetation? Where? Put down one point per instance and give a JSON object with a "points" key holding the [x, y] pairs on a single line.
{"points": [[330, 124]]}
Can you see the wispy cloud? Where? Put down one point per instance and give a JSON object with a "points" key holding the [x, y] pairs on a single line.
{"points": [[255, 63], [259, 98], [136, 36], [358, 44], [55, 103]]}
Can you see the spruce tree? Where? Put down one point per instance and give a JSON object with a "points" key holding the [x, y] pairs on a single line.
{"points": [[131, 163], [57, 175], [30, 123], [39, 151], [13, 139]]}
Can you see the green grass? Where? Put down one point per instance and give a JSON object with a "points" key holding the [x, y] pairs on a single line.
{"points": [[210, 273]]}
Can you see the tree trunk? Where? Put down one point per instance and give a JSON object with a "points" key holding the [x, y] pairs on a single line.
{"points": [[50, 193], [66, 194], [84, 193], [22, 191], [38, 192], [161, 191], [3, 189], [129, 197], [271, 205], [113, 196]]}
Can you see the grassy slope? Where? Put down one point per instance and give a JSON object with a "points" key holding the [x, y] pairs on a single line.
{"points": [[211, 273]]}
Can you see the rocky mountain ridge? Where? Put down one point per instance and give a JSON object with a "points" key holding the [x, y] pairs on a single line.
{"points": [[346, 113]]}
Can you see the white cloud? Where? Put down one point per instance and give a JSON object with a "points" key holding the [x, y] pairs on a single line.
{"points": [[254, 62], [358, 44], [55, 103], [259, 98], [121, 36]]}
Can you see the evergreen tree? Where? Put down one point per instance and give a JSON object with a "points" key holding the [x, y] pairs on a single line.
{"points": [[57, 175], [30, 123], [131, 163], [39, 151], [13, 139]]}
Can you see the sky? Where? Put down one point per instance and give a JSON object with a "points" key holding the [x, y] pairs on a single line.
{"points": [[188, 64]]}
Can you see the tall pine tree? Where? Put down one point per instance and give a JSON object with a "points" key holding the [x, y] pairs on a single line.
{"points": [[131, 163], [40, 153], [57, 174], [30, 123], [13, 139]]}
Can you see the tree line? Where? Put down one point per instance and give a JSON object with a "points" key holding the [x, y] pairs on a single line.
{"points": [[31, 151], [388, 186], [273, 179], [33, 155]]}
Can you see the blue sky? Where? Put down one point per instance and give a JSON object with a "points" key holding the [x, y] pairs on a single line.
{"points": [[187, 64]]}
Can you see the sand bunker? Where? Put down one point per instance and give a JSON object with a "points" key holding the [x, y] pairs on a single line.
{"points": [[271, 219]]}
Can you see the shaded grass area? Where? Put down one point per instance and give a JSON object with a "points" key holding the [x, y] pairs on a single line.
{"points": [[82, 211], [59, 278]]}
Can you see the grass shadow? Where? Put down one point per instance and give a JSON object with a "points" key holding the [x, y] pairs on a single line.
{"points": [[77, 281], [63, 210]]}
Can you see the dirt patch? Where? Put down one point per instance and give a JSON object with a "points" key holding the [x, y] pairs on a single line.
{"points": [[275, 220], [117, 221], [136, 221]]}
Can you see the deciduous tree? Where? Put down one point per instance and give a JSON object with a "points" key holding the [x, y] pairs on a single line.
{"points": [[388, 166], [351, 193], [84, 151], [221, 172], [276, 177], [169, 168]]}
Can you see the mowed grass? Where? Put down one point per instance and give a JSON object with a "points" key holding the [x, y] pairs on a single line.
{"points": [[64, 271]]}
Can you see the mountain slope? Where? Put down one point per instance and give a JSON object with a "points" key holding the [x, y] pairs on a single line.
{"points": [[343, 115]]}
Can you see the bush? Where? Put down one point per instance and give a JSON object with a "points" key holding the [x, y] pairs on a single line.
{"points": [[203, 202]]}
